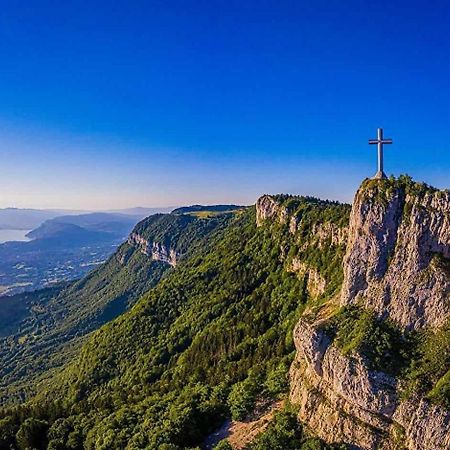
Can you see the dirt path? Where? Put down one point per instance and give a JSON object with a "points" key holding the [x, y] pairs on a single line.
{"points": [[239, 434]]}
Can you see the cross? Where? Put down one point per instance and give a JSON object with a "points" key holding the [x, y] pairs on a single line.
{"points": [[380, 141]]}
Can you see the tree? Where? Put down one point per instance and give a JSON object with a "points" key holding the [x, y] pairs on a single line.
{"points": [[32, 434]]}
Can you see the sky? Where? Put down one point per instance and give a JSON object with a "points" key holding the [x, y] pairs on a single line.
{"points": [[164, 103]]}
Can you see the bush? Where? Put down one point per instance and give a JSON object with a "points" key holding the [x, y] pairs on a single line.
{"points": [[277, 380], [284, 433], [385, 348], [223, 445], [242, 399]]}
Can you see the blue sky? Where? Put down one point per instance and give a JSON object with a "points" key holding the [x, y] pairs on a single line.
{"points": [[114, 104]]}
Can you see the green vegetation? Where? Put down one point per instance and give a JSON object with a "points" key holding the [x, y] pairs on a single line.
{"points": [[421, 360], [386, 187], [429, 373], [382, 191], [385, 348], [286, 433], [49, 325], [201, 345]]}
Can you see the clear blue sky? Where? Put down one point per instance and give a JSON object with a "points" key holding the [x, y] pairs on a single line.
{"points": [[114, 104]]}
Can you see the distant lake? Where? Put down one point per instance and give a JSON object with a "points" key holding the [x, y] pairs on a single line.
{"points": [[13, 235]]}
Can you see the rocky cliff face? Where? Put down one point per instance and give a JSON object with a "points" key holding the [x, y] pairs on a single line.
{"points": [[396, 265], [341, 400], [397, 261], [157, 251], [315, 283], [310, 231], [268, 208]]}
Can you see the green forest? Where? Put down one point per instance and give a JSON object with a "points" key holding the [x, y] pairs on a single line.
{"points": [[212, 337]]}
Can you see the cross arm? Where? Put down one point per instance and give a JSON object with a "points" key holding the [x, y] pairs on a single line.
{"points": [[382, 141]]}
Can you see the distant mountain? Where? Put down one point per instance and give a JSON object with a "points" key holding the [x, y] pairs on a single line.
{"points": [[29, 218], [65, 233], [25, 219], [115, 225]]}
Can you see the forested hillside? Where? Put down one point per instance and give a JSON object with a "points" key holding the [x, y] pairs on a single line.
{"points": [[41, 330], [209, 340]]}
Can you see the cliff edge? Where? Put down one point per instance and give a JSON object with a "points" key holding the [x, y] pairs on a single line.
{"points": [[368, 373]]}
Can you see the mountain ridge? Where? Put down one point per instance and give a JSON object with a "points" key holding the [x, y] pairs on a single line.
{"points": [[266, 307]]}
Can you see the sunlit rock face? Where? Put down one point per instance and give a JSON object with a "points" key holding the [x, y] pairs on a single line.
{"points": [[156, 250], [342, 401], [397, 257], [396, 265], [268, 208]]}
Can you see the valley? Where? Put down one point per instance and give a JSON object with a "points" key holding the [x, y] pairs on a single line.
{"points": [[59, 249]]}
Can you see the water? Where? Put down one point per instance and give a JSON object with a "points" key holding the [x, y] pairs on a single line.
{"points": [[13, 235]]}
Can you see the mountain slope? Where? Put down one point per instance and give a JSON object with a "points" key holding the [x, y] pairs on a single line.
{"points": [[49, 325], [206, 341]]}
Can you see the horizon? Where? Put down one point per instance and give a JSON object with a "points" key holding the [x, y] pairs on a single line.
{"points": [[171, 207], [217, 103]]}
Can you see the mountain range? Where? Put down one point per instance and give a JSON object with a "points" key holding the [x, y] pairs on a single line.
{"points": [[29, 219], [296, 323]]}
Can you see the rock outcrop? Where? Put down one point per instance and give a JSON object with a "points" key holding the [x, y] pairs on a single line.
{"points": [[155, 250], [341, 400], [397, 261], [329, 234], [315, 283], [396, 265], [268, 208]]}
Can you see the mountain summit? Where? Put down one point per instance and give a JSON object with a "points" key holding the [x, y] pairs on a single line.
{"points": [[373, 370]]}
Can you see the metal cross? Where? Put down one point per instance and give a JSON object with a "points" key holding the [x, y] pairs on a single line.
{"points": [[380, 141]]}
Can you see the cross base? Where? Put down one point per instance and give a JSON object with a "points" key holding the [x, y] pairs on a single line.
{"points": [[380, 175]]}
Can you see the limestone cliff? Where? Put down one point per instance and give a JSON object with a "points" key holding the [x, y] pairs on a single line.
{"points": [[397, 257], [313, 230], [268, 208], [157, 251], [395, 265], [315, 282]]}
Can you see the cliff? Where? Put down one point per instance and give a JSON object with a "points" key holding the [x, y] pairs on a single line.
{"points": [[157, 251], [314, 238], [397, 261], [395, 269]]}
